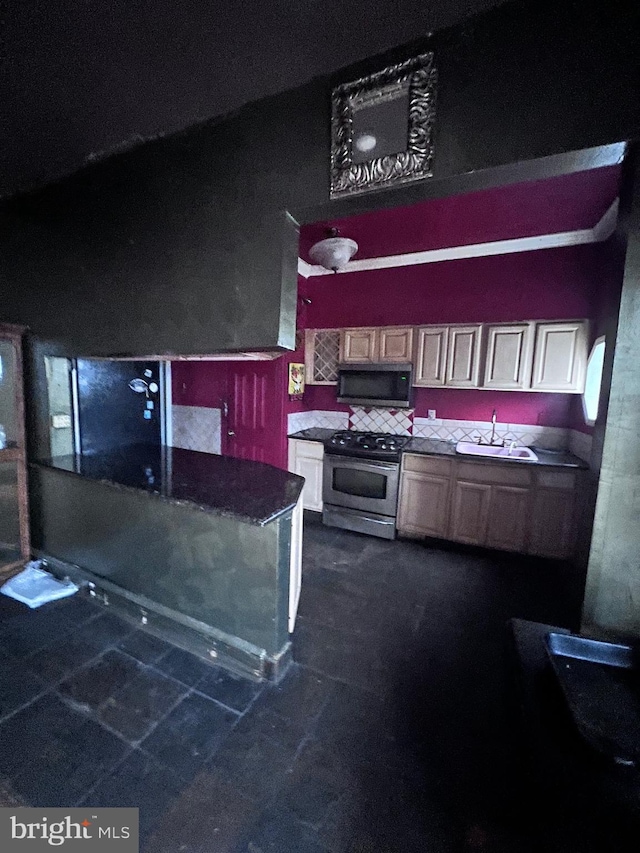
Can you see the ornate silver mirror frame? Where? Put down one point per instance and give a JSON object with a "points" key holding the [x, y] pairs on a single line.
{"points": [[414, 80]]}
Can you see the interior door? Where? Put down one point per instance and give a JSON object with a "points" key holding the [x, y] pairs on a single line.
{"points": [[254, 426], [119, 403]]}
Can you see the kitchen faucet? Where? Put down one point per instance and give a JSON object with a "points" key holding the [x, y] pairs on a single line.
{"points": [[492, 441]]}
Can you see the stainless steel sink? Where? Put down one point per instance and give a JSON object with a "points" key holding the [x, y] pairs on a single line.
{"points": [[513, 454]]}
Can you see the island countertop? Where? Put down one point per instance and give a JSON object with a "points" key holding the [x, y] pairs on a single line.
{"points": [[252, 492]]}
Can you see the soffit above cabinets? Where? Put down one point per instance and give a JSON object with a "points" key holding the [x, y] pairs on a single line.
{"points": [[566, 211]]}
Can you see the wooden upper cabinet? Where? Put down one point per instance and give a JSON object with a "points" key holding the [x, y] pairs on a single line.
{"points": [[396, 344], [509, 355], [359, 345], [431, 356], [560, 358], [463, 356]]}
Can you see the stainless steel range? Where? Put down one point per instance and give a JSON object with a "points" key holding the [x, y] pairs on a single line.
{"points": [[360, 481]]}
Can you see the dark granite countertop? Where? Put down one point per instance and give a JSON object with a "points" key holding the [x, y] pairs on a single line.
{"points": [[221, 485], [313, 434], [434, 447]]}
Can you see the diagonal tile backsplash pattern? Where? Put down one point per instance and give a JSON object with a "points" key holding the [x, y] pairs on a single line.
{"points": [[404, 422], [391, 421], [553, 438]]}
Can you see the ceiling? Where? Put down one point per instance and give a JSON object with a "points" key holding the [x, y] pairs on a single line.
{"points": [[566, 203], [83, 78]]}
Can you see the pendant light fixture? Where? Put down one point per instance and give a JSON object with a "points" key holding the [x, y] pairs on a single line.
{"points": [[334, 252]]}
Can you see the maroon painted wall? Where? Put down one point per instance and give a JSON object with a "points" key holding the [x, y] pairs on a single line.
{"points": [[564, 203], [547, 284], [204, 383]]}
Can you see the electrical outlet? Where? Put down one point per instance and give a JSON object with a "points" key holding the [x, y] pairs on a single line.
{"points": [[61, 421], [431, 414]]}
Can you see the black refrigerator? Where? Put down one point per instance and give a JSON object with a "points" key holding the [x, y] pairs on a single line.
{"points": [[119, 404]]}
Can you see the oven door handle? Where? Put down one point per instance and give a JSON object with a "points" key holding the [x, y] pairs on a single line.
{"points": [[352, 461]]}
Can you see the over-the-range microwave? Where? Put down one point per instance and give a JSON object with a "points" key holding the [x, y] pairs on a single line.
{"points": [[375, 384]]}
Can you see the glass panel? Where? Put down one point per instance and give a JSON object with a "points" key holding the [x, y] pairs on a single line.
{"points": [[591, 397], [381, 127], [8, 415], [9, 518], [364, 484], [368, 385]]}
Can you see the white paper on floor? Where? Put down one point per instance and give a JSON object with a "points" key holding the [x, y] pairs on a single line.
{"points": [[34, 586]]}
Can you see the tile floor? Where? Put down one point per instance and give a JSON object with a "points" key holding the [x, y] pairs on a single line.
{"points": [[391, 734]]}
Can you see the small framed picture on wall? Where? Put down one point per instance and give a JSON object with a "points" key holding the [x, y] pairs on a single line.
{"points": [[296, 380]]}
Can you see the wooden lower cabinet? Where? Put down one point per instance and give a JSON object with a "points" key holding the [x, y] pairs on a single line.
{"points": [[424, 504], [508, 518], [470, 516], [508, 507], [553, 524]]}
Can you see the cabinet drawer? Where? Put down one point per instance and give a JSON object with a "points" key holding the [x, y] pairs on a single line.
{"points": [[426, 464], [494, 473], [557, 479]]}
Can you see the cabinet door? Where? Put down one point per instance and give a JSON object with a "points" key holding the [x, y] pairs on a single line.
{"points": [[396, 344], [560, 357], [359, 345], [553, 523], [508, 518], [321, 354], [471, 503], [431, 362], [509, 353], [463, 357], [306, 459], [424, 504]]}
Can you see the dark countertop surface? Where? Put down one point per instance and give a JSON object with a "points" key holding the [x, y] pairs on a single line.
{"points": [[597, 801], [221, 485], [435, 447], [313, 434]]}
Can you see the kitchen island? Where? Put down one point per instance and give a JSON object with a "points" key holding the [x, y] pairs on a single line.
{"points": [[203, 550]]}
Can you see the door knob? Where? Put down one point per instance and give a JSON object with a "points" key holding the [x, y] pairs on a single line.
{"points": [[230, 432]]}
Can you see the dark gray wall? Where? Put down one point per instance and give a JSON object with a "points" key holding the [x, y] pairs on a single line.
{"points": [[175, 247], [229, 575], [83, 78], [612, 595]]}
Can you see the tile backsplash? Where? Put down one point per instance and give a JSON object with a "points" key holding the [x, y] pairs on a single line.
{"points": [[554, 438], [392, 421], [196, 428], [317, 418]]}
